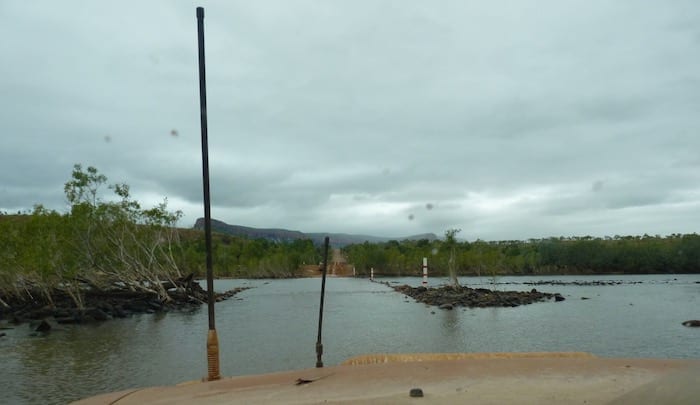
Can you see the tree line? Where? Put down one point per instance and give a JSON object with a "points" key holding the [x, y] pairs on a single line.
{"points": [[239, 257], [576, 255]]}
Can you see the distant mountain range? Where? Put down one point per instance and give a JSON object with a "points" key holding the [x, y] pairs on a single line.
{"points": [[285, 235]]}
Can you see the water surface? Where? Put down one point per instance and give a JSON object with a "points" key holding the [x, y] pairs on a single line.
{"points": [[273, 327]]}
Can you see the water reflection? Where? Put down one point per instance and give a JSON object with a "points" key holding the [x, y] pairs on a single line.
{"points": [[493, 313], [450, 320]]}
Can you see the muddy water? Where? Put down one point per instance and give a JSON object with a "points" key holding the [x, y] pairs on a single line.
{"points": [[272, 327]]}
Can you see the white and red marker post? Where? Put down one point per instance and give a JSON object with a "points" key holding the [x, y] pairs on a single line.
{"points": [[425, 272]]}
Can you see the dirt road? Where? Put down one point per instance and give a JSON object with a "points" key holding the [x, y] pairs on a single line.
{"points": [[337, 267]]}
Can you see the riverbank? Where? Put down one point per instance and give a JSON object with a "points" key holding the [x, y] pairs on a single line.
{"points": [[102, 305]]}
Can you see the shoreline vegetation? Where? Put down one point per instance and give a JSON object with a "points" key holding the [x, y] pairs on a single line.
{"points": [[185, 295], [108, 252]]}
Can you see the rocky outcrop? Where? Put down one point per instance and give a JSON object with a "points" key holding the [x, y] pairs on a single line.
{"points": [[276, 235], [581, 283], [694, 323], [184, 295], [448, 297]]}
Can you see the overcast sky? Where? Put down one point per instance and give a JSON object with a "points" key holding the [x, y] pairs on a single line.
{"points": [[507, 119]]}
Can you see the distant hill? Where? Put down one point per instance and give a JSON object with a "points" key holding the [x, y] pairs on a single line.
{"points": [[285, 235]]}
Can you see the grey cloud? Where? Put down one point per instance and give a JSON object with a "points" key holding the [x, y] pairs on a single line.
{"points": [[541, 118]]}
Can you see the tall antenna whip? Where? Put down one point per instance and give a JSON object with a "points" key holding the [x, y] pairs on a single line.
{"points": [[212, 339]]}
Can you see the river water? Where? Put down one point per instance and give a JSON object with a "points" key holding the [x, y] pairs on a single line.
{"points": [[273, 327]]}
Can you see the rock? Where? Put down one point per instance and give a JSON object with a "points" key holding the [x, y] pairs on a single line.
{"points": [[107, 304], [40, 326], [154, 305], [118, 312], [17, 318], [454, 296], [585, 298], [66, 320], [61, 313], [86, 318], [97, 314], [40, 313], [2, 334], [694, 323], [135, 306], [558, 297], [415, 393], [105, 307]]}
